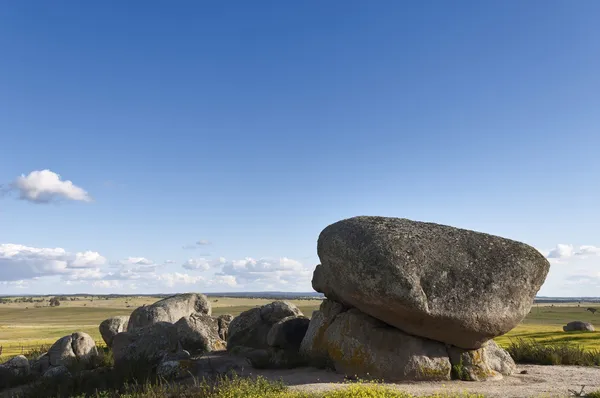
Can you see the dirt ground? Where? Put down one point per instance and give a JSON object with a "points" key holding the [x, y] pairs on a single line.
{"points": [[539, 381]]}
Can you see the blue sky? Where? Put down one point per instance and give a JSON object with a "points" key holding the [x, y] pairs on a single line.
{"points": [[253, 125]]}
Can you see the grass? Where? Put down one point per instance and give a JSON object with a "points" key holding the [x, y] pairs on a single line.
{"points": [[539, 353]]}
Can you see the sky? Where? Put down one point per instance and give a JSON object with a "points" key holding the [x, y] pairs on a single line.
{"points": [[157, 147]]}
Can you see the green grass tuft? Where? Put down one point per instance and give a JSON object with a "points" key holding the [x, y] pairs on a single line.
{"points": [[552, 353]]}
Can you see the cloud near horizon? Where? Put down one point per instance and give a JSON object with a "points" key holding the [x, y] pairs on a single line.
{"points": [[46, 186], [23, 266]]}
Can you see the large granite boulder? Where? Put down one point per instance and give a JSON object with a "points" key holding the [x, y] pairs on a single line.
{"points": [[251, 328], [199, 333], [578, 326], [78, 346], [150, 343], [170, 309], [110, 327], [447, 284]]}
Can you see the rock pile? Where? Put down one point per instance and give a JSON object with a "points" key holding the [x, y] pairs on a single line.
{"points": [[410, 300], [167, 331]]}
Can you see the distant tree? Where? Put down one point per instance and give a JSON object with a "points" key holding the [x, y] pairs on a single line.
{"points": [[592, 310], [54, 302]]}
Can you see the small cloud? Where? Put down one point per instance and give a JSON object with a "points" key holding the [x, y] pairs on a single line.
{"points": [[169, 261], [561, 251], [201, 242], [45, 186]]}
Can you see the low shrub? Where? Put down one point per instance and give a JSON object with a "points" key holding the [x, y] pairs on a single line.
{"points": [[552, 353]]}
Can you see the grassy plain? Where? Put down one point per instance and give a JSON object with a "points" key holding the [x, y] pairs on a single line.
{"points": [[23, 326]]}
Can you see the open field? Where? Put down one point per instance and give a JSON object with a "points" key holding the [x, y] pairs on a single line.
{"points": [[22, 326]]}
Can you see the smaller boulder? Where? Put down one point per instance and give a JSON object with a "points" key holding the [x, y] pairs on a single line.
{"points": [[110, 327], [579, 326], [288, 332], [77, 346], [199, 333], [17, 366], [250, 328], [170, 309]]}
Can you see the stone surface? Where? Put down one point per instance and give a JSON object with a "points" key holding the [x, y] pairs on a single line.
{"points": [[110, 327], [170, 309], [199, 333], [470, 365], [224, 321], [447, 284], [17, 366], [150, 343], [40, 365], [250, 328], [578, 326], [360, 345], [313, 346], [57, 371], [288, 333], [175, 369], [77, 346], [498, 359]]}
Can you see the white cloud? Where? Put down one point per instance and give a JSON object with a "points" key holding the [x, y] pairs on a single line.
{"points": [[268, 273], [45, 186], [203, 264], [176, 278], [88, 259], [561, 251], [24, 262], [198, 244], [587, 250], [196, 264]]}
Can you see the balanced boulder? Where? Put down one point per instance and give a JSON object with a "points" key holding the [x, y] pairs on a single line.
{"points": [[199, 333], [110, 327], [77, 346], [578, 326], [150, 343], [443, 283], [170, 309]]}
